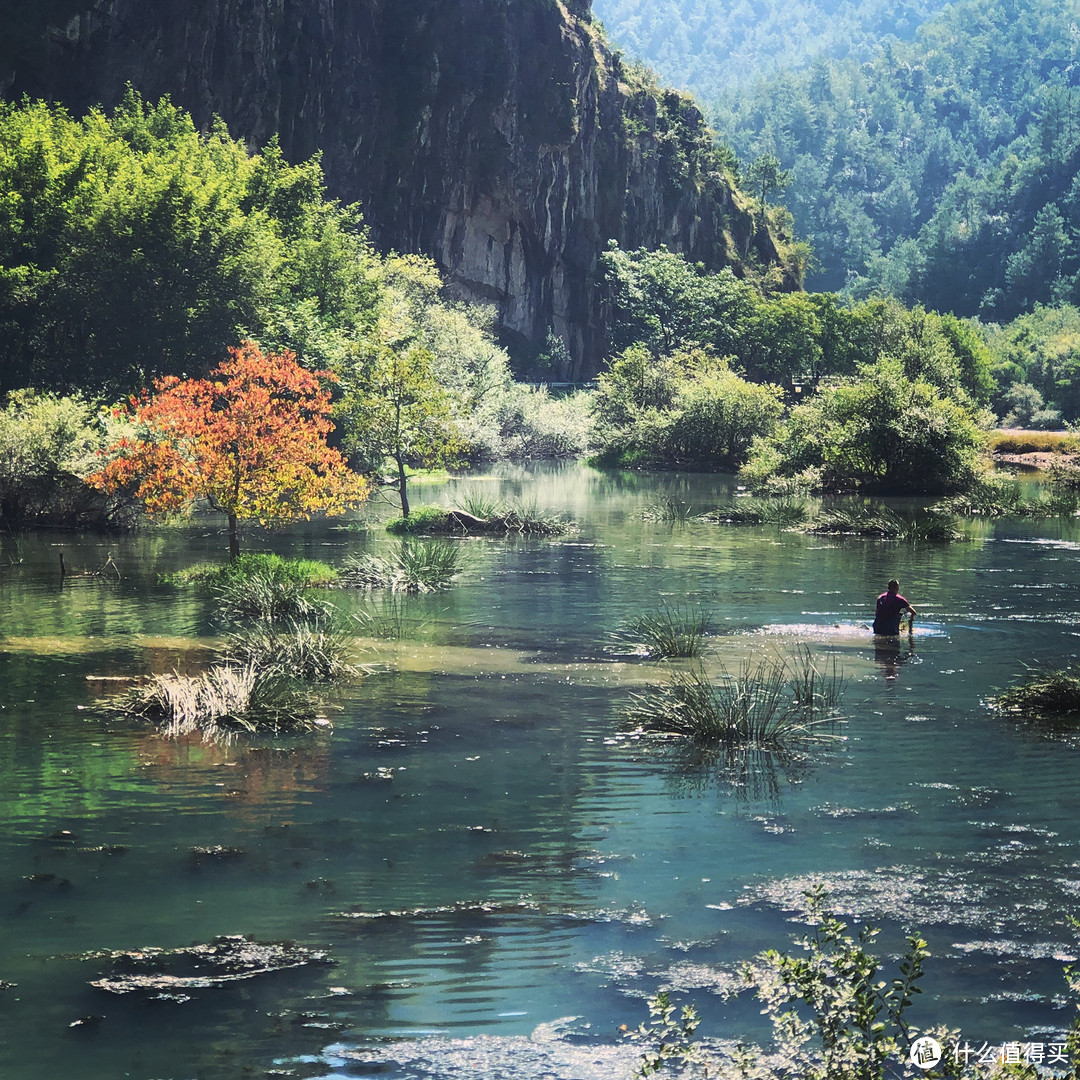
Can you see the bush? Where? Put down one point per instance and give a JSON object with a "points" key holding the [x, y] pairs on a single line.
{"points": [[882, 432], [527, 422], [48, 445]]}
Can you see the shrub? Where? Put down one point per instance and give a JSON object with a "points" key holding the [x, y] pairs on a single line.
{"points": [[422, 519], [676, 631], [881, 432], [48, 445]]}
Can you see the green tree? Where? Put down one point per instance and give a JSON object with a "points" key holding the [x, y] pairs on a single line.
{"points": [[395, 408]]}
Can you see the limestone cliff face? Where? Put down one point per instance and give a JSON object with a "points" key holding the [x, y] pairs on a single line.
{"points": [[498, 136]]}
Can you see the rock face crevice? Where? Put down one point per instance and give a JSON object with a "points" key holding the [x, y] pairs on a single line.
{"points": [[501, 138]]}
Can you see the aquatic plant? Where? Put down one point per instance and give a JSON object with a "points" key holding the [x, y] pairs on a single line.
{"points": [[887, 524], [1050, 693], [997, 497], [669, 509], [221, 697], [478, 503], [497, 518], [675, 631], [312, 652], [413, 567], [266, 599], [309, 573], [768, 703], [781, 511], [388, 620]]}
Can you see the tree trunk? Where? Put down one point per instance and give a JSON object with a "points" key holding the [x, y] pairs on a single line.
{"points": [[401, 488], [234, 539]]}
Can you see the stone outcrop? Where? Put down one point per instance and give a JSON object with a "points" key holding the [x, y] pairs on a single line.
{"points": [[502, 138]]}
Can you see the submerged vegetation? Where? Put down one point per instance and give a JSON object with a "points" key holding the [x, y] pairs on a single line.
{"points": [[765, 704]]}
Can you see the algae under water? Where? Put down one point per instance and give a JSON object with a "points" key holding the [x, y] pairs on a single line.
{"points": [[498, 878]]}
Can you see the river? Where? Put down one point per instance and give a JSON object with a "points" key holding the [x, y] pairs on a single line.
{"points": [[497, 875]]}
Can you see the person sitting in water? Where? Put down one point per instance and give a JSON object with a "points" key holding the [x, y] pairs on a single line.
{"points": [[890, 607]]}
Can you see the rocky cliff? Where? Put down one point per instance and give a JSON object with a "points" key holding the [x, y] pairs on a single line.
{"points": [[501, 137]]}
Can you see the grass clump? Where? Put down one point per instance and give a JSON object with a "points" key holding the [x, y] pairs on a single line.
{"points": [[311, 652], [480, 515], [669, 509], [767, 704], [885, 524], [225, 697], [264, 598], [783, 511], [1043, 693], [423, 519], [413, 567], [668, 632], [997, 497]]}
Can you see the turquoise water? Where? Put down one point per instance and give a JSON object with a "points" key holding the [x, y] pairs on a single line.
{"points": [[498, 875]]}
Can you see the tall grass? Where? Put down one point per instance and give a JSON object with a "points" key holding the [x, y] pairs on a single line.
{"points": [[224, 697], [413, 567], [765, 704], [481, 514], [1034, 442], [267, 598], [784, 511], [995, 497], [669, 509], [887, 524], [311, 652], [675, 631]]}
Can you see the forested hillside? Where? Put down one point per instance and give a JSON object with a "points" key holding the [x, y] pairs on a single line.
{"points": [[943, 170], [709, 45]]}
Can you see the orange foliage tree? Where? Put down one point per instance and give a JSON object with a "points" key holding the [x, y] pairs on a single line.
{"points": [[250, 440]]}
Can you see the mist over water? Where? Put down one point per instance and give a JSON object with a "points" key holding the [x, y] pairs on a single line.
{"points": [[499, 876]]}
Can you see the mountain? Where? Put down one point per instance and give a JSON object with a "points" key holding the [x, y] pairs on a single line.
{"points": [[505, 140]]}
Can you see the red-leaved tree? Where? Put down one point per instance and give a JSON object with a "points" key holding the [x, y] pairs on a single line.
{"points": [[250, 440]]}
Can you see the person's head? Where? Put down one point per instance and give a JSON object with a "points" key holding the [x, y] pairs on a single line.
{"points": [[893, 586]]}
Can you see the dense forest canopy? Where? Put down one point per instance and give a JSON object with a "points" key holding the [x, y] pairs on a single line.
{"points": [[941, 171], [708, 45]]}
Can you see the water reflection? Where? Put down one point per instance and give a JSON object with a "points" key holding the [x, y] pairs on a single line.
{"points": [[890, 653], [746, 774]]}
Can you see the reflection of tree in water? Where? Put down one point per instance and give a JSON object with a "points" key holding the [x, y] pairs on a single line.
{"points": [[747, 773]]}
